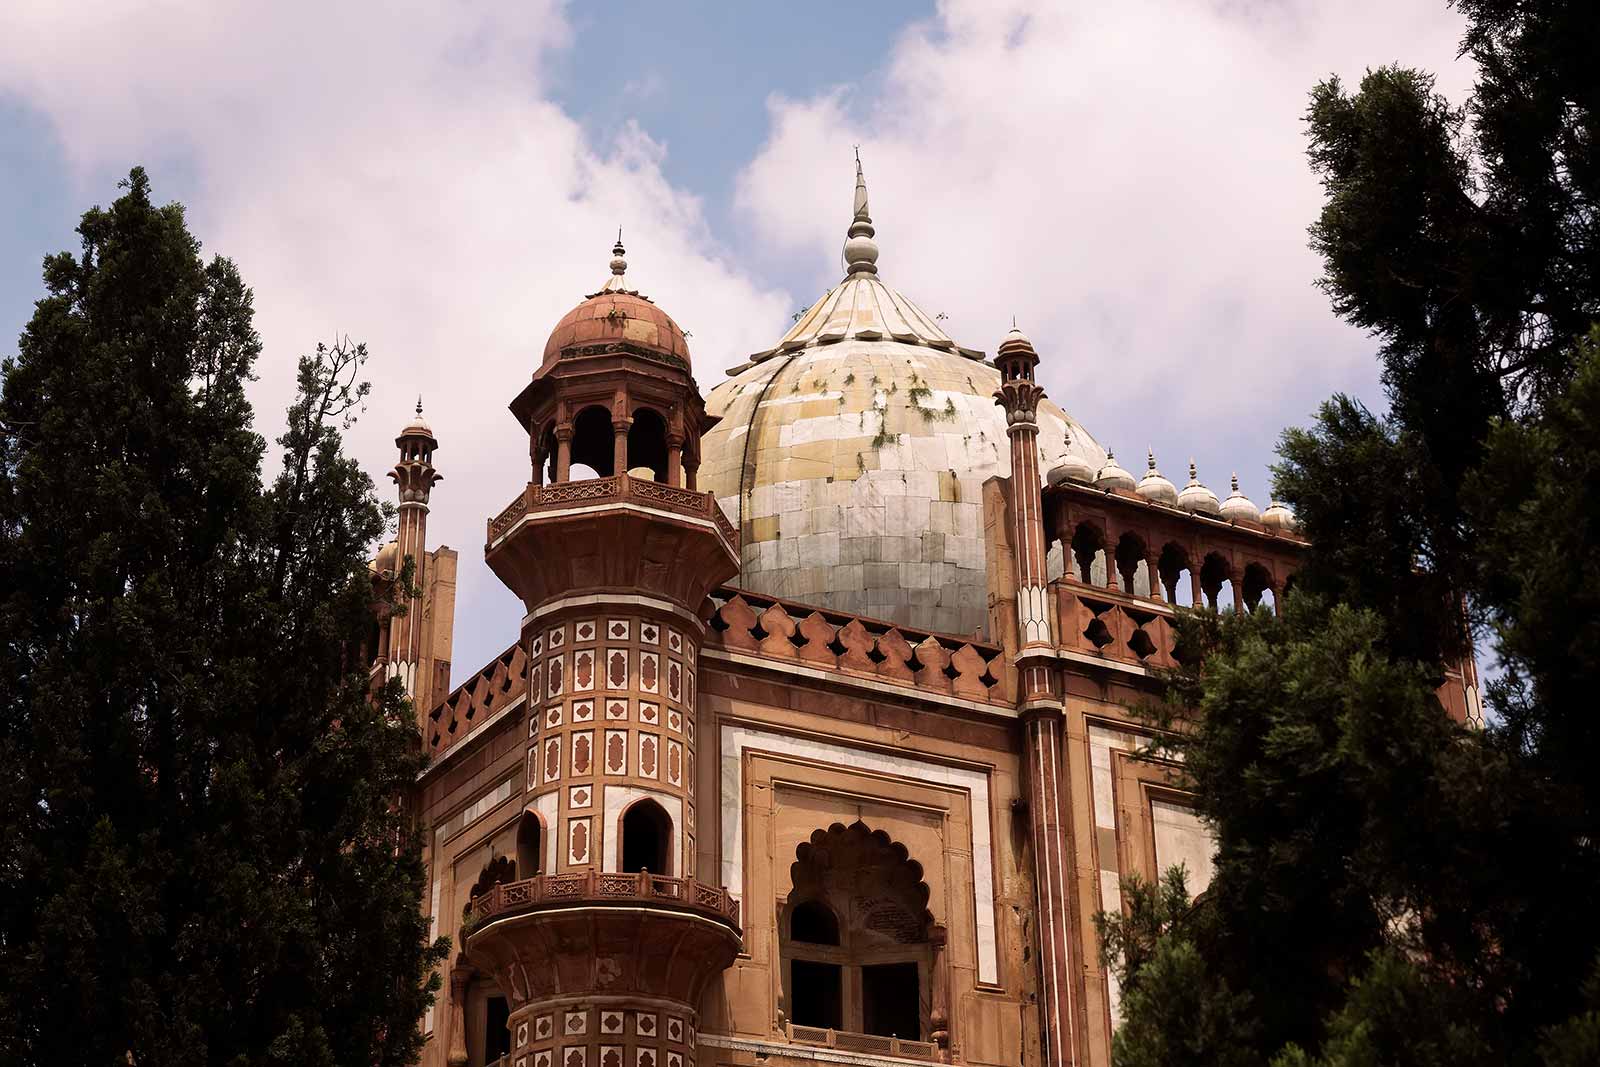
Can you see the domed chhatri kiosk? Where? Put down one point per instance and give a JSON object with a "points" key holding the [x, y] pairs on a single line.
{"points": [[813, 746]]}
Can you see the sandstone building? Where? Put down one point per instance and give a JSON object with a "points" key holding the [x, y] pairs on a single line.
{"points": [[813, 747]]}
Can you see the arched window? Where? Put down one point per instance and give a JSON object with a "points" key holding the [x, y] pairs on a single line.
{"points": [[593, 445], [1214, 575], [1257, 581], [813, 922], [647, 443], [646, 839], [529, 837], [1089, 551], [855, 942], [1175, 574], [1132, 566]]}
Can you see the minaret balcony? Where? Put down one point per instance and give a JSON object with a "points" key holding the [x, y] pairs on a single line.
{"points": [[617, 532], [588, 933]]}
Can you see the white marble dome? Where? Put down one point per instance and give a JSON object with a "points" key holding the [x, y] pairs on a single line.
{"points": [[852, 456]]}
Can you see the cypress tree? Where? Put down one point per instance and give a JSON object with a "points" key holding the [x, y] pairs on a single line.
{"points": [[202, 855]]}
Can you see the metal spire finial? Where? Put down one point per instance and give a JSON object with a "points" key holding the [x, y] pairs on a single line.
{"points": [[619, 265], [419, 403], [860, 251]]}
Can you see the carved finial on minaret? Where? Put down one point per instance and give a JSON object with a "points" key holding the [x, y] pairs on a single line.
{"points": [[414, 474], [1019, 394]]}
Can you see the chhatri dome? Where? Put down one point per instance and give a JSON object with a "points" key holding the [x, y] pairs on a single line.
{"points": [[852, 454]]}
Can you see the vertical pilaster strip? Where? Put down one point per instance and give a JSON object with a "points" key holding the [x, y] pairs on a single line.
{"points": [[1040, 705]]}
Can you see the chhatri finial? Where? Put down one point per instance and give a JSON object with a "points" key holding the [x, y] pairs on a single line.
{"points": [[1151, 454], [860, 251], [1235, 481], [619, 265], [1194, 475]]}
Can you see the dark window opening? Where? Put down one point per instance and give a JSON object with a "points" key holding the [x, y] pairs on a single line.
{"points": [[528, 840], [496, 1036], [647, 443], [890, 995], [593, 445], [815, 994], [646, 834], [549, 452], [814, 923]]}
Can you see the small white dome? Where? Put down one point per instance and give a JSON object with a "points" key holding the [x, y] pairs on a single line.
{"points": [[1238, 506], [1196, 497], [1072, 467], [1112, 476], [1279, 517], [1154, 487]]}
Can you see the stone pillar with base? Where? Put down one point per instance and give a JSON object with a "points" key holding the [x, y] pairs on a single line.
{"points": [[1038, 700]]}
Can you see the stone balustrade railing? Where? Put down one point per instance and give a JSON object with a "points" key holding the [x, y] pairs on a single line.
{"points": [[619, 487], [596, 887], [938, 663], [846, 1041], [1114, 625], [500, 682]]}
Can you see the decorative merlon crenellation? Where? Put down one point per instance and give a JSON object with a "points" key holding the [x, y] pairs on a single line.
{"points": [[938, 663]]}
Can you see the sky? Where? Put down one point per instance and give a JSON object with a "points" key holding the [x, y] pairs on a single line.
{"points": [[443, 181]]}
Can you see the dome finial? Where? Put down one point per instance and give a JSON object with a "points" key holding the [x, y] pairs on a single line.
{"points": [[860, 250], [619, 265], [419, 403]]}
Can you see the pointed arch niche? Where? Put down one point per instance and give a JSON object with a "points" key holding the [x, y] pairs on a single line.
{"points": [[856, 937]]}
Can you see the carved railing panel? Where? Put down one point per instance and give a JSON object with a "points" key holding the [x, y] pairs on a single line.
{"points": [[535, 498], [595, 886]]}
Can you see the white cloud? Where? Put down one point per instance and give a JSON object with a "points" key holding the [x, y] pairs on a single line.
{"points": [[1129, 180], [392, 172]]}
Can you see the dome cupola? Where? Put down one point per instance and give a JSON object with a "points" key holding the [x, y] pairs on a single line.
{"points": [[852, 453], [1279, 517], [617, 319], [1196, 497], [1112, 476], [1155, 487], [1237, 506], [1072, 468]]}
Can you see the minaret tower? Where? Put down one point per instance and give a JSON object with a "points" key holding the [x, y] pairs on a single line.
{"points": [[608, 940], [1037, 700], [414, 476]]}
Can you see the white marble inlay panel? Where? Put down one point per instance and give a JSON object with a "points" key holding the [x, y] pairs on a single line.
{"points": [[1183, 838], [547, 807], [617, 799], [735, 739]]}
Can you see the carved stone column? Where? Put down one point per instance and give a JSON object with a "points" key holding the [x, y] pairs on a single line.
{"points": [[939, 1010], [563, 451], [460, 975]]}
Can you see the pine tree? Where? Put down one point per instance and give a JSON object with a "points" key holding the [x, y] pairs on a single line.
{"points": [[202, 860]]}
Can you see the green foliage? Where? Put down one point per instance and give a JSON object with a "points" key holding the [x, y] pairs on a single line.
{"points": [[1396, 1013], [203, 857], [1179, 1010], [1354, 479], [1390, 889]]}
